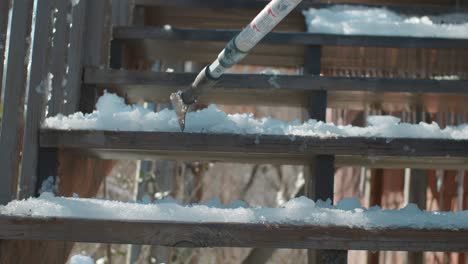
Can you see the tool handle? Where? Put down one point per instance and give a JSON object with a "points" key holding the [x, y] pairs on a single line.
{"points": [[240, 46], [251, 35]]}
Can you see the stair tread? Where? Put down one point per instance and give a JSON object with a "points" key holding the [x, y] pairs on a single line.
{"points": [[426, 9], [391, 94], [396, 152], [195, 234], [286, 38]]}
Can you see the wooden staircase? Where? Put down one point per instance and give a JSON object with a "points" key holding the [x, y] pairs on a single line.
{"points": [[89, 73]]}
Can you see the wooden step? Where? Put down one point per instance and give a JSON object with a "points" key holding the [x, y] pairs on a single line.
{"points": [[389, 94], [259, 4], [285, 49], [190, 234], [286, 38], [355, 151]]}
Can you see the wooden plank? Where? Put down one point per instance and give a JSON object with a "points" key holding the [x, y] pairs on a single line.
{"points": [[14, 89], [4, 10], [320, 172], [418, 190], [210, 18], [270, 149], [289, 38], [37, 93], [121, 12], [343, 92], [179, 234], [274, 82], [205, 52], [340, 161], [98, 33], [426, 9], [59, 54], [75, 58]]}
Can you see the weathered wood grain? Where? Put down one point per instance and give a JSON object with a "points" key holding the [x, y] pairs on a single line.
{"points": [[177, 234], [258, 4], [13, 97], [37, 93], [418, 191], [287, 38], [75, 58], [4, 9], [319, 173], [121, 12], [59, 55], [391, 94], [283, 49], [272, 82], [270, 149], [98, 33], [205, 52]]}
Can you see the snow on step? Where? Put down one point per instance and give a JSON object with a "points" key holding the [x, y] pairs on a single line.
{"points": [[81, 259], [113, 114], [358, 20], [298, 211]]}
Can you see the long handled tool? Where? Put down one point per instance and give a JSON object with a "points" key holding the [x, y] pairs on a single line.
{"points": [[234, 51]]}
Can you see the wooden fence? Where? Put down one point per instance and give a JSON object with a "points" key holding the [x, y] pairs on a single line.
{"points": [[57, 61]]}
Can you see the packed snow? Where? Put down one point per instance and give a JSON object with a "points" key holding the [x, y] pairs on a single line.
{"points": [[113, 114], [299, 211], [446, 78], [81, 259], [359, 20]]}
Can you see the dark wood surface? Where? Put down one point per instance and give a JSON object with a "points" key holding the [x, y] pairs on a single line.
{"points": [[98, 33], [288, 38], [176, 234], [270, 149], [36, 98], [59, 56], [14, 85], [75, 57], [258, 4], [391, 94], [319, 173], [4, 9]]}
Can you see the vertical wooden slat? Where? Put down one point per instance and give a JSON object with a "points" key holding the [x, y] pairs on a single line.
{"points": [[59, 55], [375, 198], [121, 12], [418, 189], [75, 58], [37, 93], [321, 171], [98, 33], [14, 89], [4, 10]]}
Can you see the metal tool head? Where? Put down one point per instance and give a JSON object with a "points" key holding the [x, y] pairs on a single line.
{"points": [[180, 108]]}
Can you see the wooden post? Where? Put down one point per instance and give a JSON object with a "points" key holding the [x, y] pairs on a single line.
{"points": [[98, 33], [59, 57], [75, 58], [14, 89], [375, 198], [37, 93], [321, 171], [4, 10], [417, 193]]}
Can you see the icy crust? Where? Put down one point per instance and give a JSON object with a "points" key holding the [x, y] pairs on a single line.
{"points": [[113, 114], [81, 259], [358, 20], [299, 211]]}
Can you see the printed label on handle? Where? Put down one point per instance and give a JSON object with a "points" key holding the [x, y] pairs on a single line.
{"points": [[264, 22]]}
